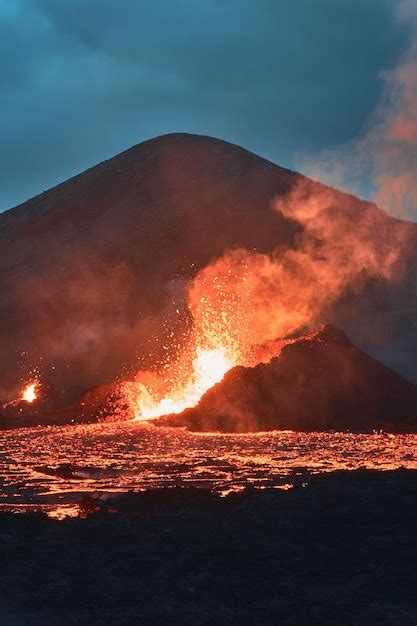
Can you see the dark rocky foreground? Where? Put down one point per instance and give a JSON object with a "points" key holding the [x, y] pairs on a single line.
{"points": [[340, 550]]}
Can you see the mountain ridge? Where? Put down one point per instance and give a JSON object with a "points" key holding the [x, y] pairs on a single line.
{"points": [[93, 268], [175, 136]]}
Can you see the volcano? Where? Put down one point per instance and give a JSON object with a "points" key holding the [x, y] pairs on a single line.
{"points": [[95, 272], [319, 382]]}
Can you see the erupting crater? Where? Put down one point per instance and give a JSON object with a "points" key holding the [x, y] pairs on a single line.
{"points": [[182, 383], [319, 382], [30, 392], [209, 367]]}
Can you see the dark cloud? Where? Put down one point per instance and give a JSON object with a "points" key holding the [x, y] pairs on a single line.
{"points": [[82, 80]]}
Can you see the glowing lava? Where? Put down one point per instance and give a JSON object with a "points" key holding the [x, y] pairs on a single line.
{"points": [[30, 392], [208, 368], [222, 338]]}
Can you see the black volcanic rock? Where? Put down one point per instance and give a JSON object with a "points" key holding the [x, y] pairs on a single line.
{"points": [[339, 550], [93, 271], [319, 382]]}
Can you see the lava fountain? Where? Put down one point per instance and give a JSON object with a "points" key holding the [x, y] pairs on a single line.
{"points": [[30, 392], [184, 386], [223, 337]]}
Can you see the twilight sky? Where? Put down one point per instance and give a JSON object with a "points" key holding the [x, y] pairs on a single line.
{"points": [[83, 80]]}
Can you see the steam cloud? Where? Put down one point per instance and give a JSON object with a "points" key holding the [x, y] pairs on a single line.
{"points": [[383, 160], [339, 249]]}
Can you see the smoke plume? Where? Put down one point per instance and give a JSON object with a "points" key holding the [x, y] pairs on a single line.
{"points": [[255, 298], [382, 162]]}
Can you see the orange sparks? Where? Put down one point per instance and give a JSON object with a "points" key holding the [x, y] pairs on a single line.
{"points": [[212, 349], [30, 392], [224, 336]]}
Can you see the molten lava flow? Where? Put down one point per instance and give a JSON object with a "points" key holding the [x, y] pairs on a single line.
{"points": [[184, 390], [30, 392]]}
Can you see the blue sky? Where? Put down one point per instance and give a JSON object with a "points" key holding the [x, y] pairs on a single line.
{"points": [[83, 80]]}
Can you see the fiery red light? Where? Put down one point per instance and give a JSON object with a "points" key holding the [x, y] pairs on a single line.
{"points": [[30, 392]]}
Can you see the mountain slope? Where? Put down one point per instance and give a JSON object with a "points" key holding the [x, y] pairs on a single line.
{"points": [[93, 271]]}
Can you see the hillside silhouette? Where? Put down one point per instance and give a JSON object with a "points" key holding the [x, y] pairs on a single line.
{"points": [[94, 272]]}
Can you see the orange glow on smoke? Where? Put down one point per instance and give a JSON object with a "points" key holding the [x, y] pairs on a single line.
{"points": [[246, 305], [224, 336], [30, 392]]}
